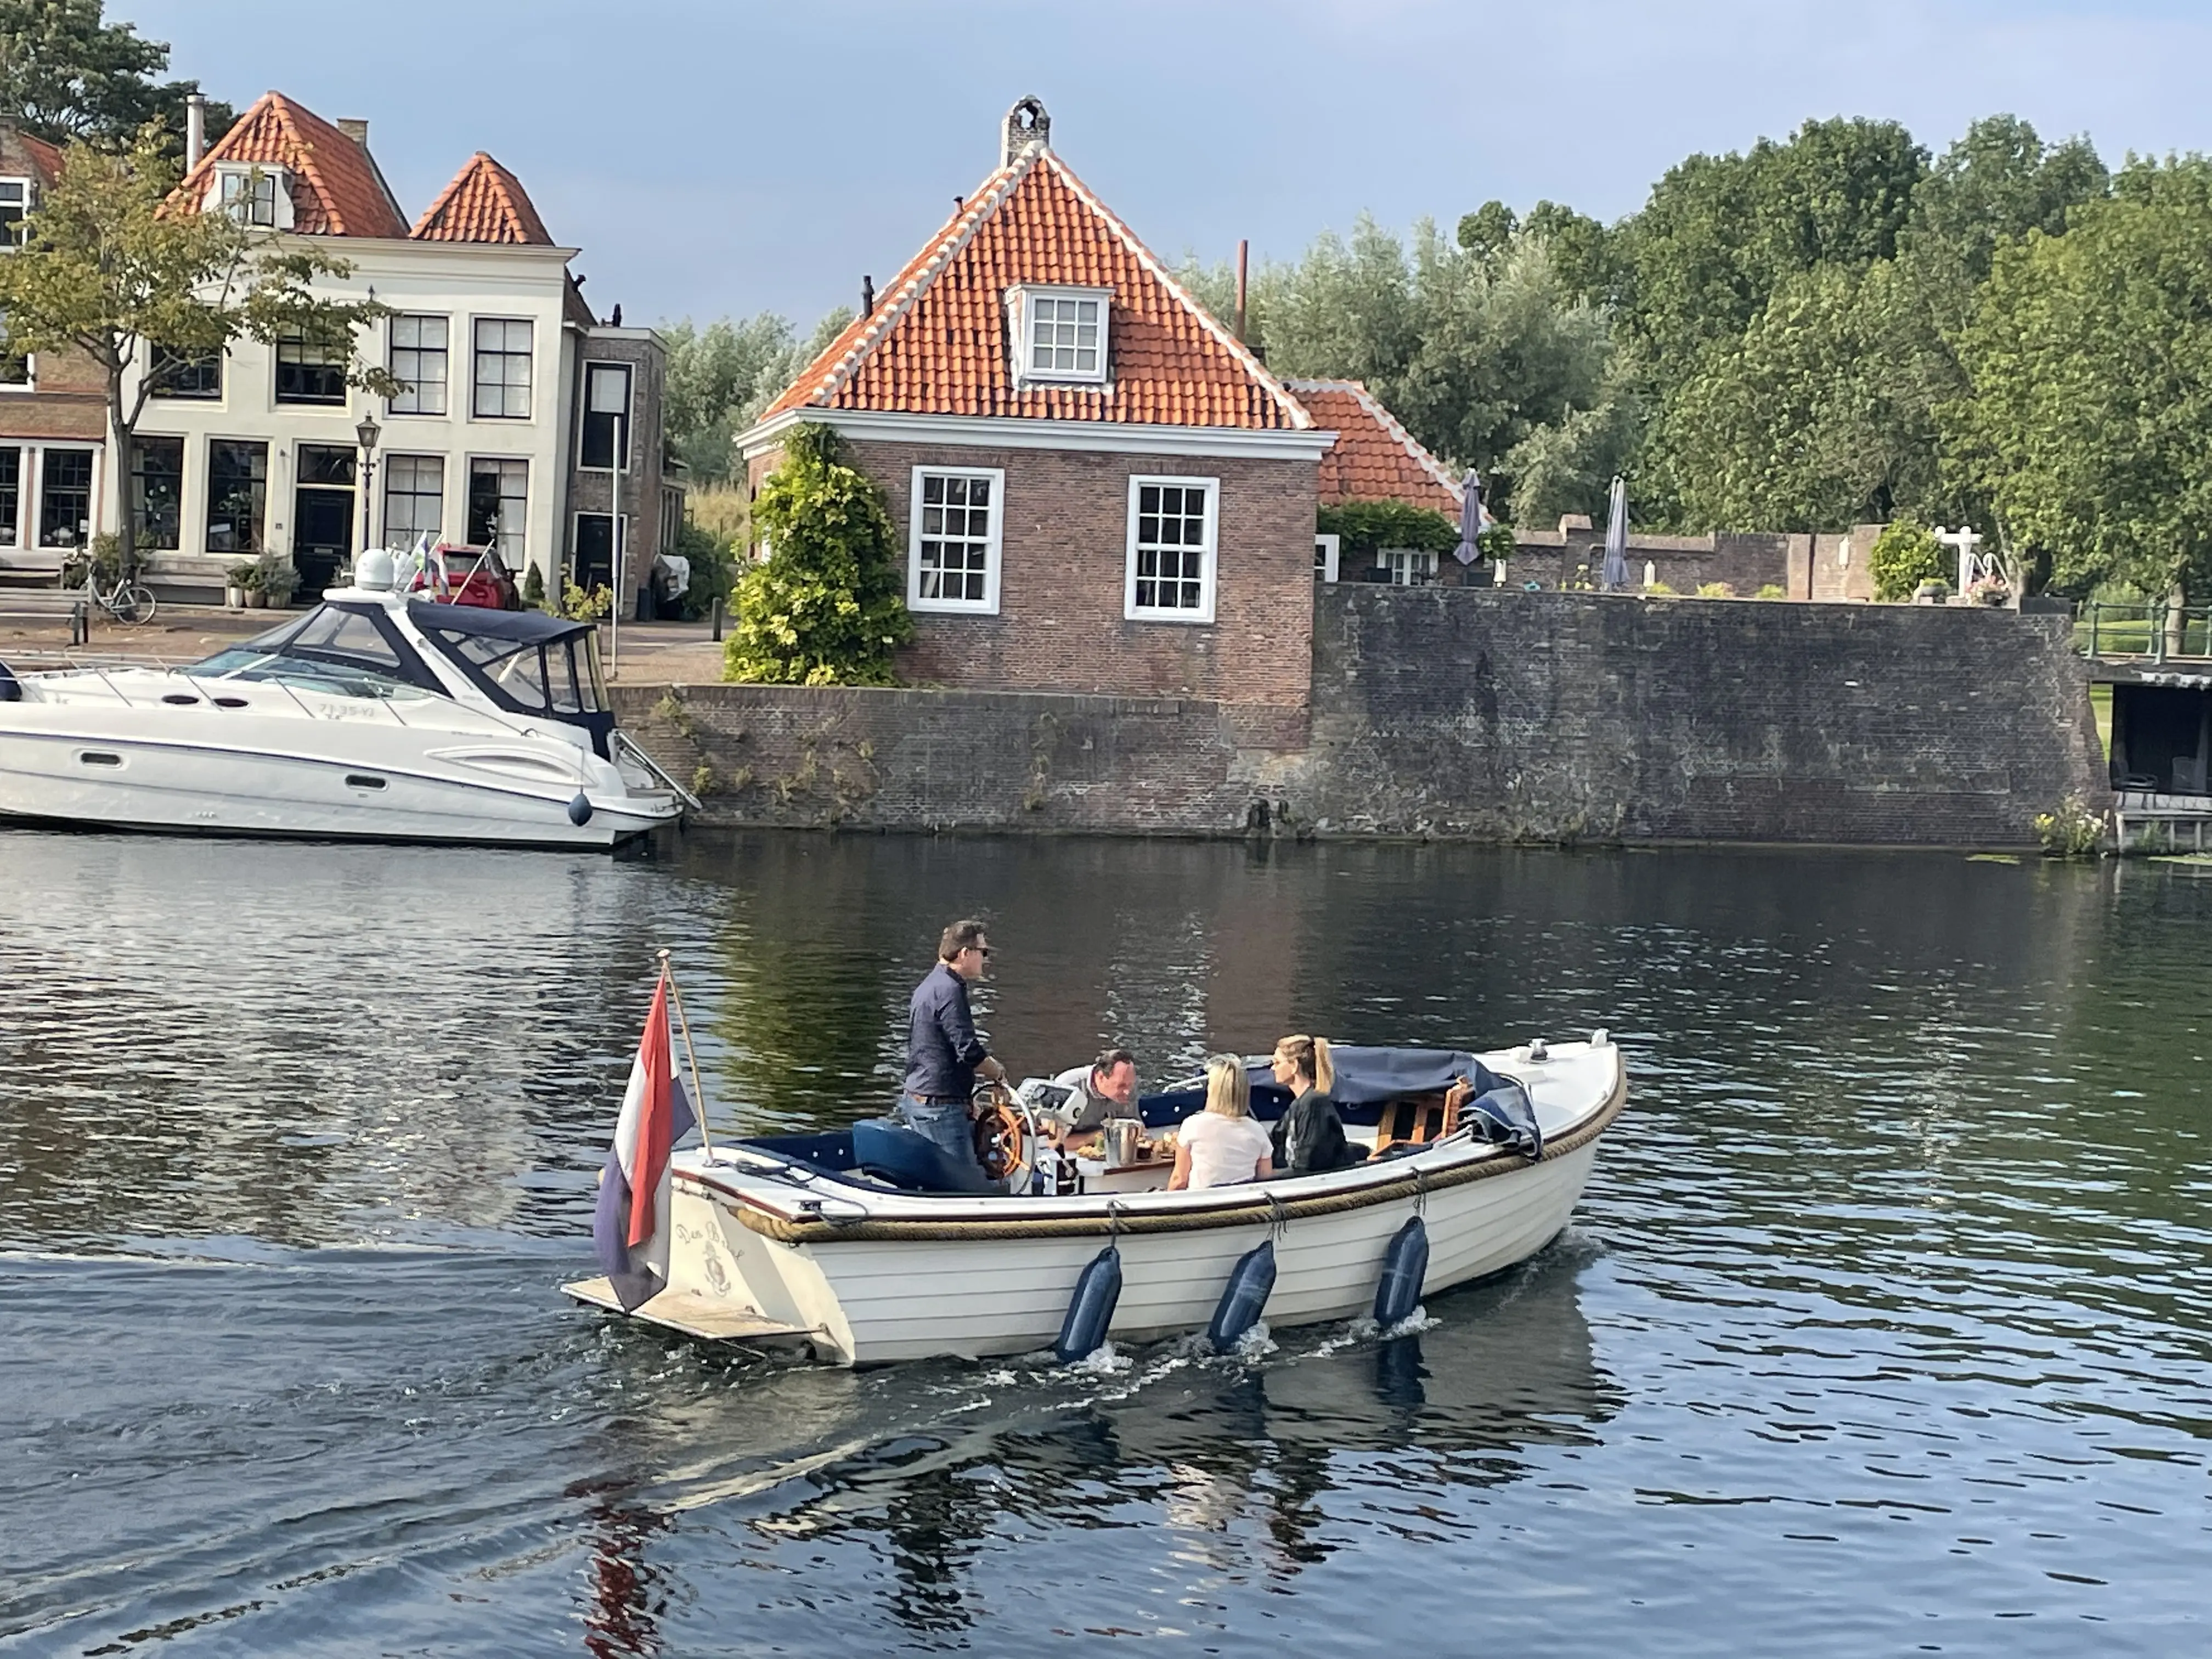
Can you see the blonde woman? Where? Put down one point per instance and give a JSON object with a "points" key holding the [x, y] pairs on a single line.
{"points": [[1225, 1144], [1308, 1137]]}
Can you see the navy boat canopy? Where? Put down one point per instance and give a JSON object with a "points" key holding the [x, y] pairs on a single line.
{"points": [[1368, 1077], [530, 626]]}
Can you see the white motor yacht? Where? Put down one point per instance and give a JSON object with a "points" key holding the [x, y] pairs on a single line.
{"points": [[373, 716]]}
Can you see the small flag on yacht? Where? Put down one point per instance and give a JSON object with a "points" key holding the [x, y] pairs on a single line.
{"points": [[630, 1226]]}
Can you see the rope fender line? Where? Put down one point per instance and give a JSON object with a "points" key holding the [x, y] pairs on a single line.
{"points": [[1268, 1210]]}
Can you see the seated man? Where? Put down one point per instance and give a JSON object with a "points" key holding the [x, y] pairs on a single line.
{"points": [[1105, 1088]]}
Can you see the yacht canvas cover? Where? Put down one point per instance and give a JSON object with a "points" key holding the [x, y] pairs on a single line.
{"points": [[1367, 1077]]}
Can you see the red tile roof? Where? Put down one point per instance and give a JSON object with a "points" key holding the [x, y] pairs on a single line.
{"points": [[43, 156], [336, 188], [936, 342], [484, 204], [1375, 460]]}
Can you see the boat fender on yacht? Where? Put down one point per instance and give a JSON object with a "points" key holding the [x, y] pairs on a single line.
{"points": [[1090, 1310], [1404, 1265], [579, 810], [1250, 1283]]}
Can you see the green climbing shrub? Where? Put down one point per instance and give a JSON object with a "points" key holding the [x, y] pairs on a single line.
{"points": [[1905, 554], [825, 607], [1363, 528]]}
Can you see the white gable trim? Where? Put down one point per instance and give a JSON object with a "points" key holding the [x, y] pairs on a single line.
{"points": [[998, 432]]}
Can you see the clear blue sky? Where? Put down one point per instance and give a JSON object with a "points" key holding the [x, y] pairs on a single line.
{"points": [[727, 158]]}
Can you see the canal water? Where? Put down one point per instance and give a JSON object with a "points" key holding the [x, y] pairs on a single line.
{"points": [[1883, 1329]]}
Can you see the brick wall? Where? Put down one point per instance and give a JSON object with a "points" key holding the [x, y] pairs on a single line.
{"points": [[1466, 714], [1065, 537]]}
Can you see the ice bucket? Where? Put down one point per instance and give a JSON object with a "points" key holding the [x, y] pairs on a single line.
{"points": [[1121, 1134]]}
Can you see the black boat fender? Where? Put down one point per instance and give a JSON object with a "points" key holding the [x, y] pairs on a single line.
{"points": [[1250, 1283], [1405, 1265], [579, 810], [1090, 1310]]}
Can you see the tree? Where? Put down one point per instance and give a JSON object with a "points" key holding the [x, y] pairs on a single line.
{"points": [[720, 377], [1478, 352], [2090, 359], [113, 266], [1905, 554], [66, 74], [825, 607]]}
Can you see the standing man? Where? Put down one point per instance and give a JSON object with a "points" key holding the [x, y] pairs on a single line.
{"points": [[943, 1053]]}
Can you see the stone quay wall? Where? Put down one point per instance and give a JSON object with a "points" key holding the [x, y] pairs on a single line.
{"points": [[1459, 714]]}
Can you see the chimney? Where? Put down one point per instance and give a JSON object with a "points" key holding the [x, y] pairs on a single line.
{"points": [[867, 296], [1026, 124], [1243, 252], [195, 129], [357, 130]]}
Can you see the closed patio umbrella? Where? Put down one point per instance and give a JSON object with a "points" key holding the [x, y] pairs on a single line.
{"points": [[1615, 576], [1474, 517]]}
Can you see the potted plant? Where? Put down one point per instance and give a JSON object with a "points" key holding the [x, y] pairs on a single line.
{"points": [[1993, 591], [279, 580], [234, 584], [249, 584]]}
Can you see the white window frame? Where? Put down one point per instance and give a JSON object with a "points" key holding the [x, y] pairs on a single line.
{"points": [[389, 471], [221, 191], [1327, 555], [513, 556], [994, 541], [476, 352], [1409, 567], [1025, 301], [1209, 552], [393, 349], [27, 202]]}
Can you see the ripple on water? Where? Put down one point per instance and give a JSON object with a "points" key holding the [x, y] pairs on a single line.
{"points": [[1882, 1327]]}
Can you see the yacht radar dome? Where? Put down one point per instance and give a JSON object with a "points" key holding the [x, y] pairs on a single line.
{"points": [[374, 571]]}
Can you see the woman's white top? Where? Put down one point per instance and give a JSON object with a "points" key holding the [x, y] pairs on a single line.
{"points": [[1223, 1150]]}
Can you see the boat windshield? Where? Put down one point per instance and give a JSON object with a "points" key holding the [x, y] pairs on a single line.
{"points": [[336, 649], [560, 676]]}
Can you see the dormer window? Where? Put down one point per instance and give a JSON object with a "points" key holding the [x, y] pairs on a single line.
{"points": [[1062, 334], [255, 195]]}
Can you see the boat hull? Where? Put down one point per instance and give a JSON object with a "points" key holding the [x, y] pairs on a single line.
{"points": [[256, 782]]}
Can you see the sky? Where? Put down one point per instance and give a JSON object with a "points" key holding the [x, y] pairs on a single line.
{"points": [[723, 158]]}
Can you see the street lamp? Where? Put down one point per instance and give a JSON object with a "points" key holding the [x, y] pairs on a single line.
{"points": [[369, 432]]}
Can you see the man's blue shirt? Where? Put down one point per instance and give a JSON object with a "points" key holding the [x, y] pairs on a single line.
{"points": [[942, 1049]]}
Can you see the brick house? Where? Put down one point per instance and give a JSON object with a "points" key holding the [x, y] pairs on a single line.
{"points": [[1101, 488], [1374, 458], [53, 408], [525, 422]]}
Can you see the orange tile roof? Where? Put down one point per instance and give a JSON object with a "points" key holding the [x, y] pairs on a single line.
{"points": [[45, 157], [1375, 460], [936, 342], [336, 188], [484, 204]]}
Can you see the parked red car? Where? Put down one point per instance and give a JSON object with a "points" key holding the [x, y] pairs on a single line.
{"points": [[479, 578]]}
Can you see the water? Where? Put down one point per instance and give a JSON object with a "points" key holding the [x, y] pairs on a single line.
{"points": [[1883, 1329]]}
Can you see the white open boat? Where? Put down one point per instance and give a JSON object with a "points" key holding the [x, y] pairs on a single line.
{"points": [[826, 1242], [373, 716]]}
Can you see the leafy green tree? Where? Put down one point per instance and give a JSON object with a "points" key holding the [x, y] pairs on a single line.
{"points": [[719, 378], [824, 608], [1587, 255], [2090, 359], [110, 266], [1905, 554], [1487, 231], [66, 74], [1478, 353], [1720, 234]]}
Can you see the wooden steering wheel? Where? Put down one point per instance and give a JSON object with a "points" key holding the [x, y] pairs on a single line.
{"points": [[998, 1127]]}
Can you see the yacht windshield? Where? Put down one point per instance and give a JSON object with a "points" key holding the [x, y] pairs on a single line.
{"points": [[333, 648]]}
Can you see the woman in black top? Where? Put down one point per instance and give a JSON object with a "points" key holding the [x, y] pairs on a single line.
{"points": [[1309, 1136]]}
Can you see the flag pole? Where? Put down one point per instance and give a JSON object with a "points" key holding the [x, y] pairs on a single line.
{"points": [[683, 1025]]}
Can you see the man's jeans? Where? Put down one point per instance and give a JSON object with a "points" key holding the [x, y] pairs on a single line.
{"points": [[944, 1122]]}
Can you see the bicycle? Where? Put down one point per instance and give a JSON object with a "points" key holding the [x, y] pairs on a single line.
{"points": [[129, 602]]}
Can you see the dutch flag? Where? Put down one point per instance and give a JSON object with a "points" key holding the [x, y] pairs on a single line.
{"points": [[630, 1227]]}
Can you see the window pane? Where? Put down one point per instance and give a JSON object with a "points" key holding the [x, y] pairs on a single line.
{"points": [[238, 484], [11, 493], [413, 499], [157, 477], [952, 549]]}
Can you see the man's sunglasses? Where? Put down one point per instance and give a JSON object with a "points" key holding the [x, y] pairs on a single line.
{"points": [[980, 949]]}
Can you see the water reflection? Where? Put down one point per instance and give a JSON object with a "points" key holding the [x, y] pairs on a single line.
{"points": [[1894, 1284]]}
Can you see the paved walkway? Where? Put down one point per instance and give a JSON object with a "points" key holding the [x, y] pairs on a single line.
{"points": [[651, 654]]}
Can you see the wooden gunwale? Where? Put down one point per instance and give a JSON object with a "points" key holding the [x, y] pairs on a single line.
{"points": [[1238, 1211]]}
